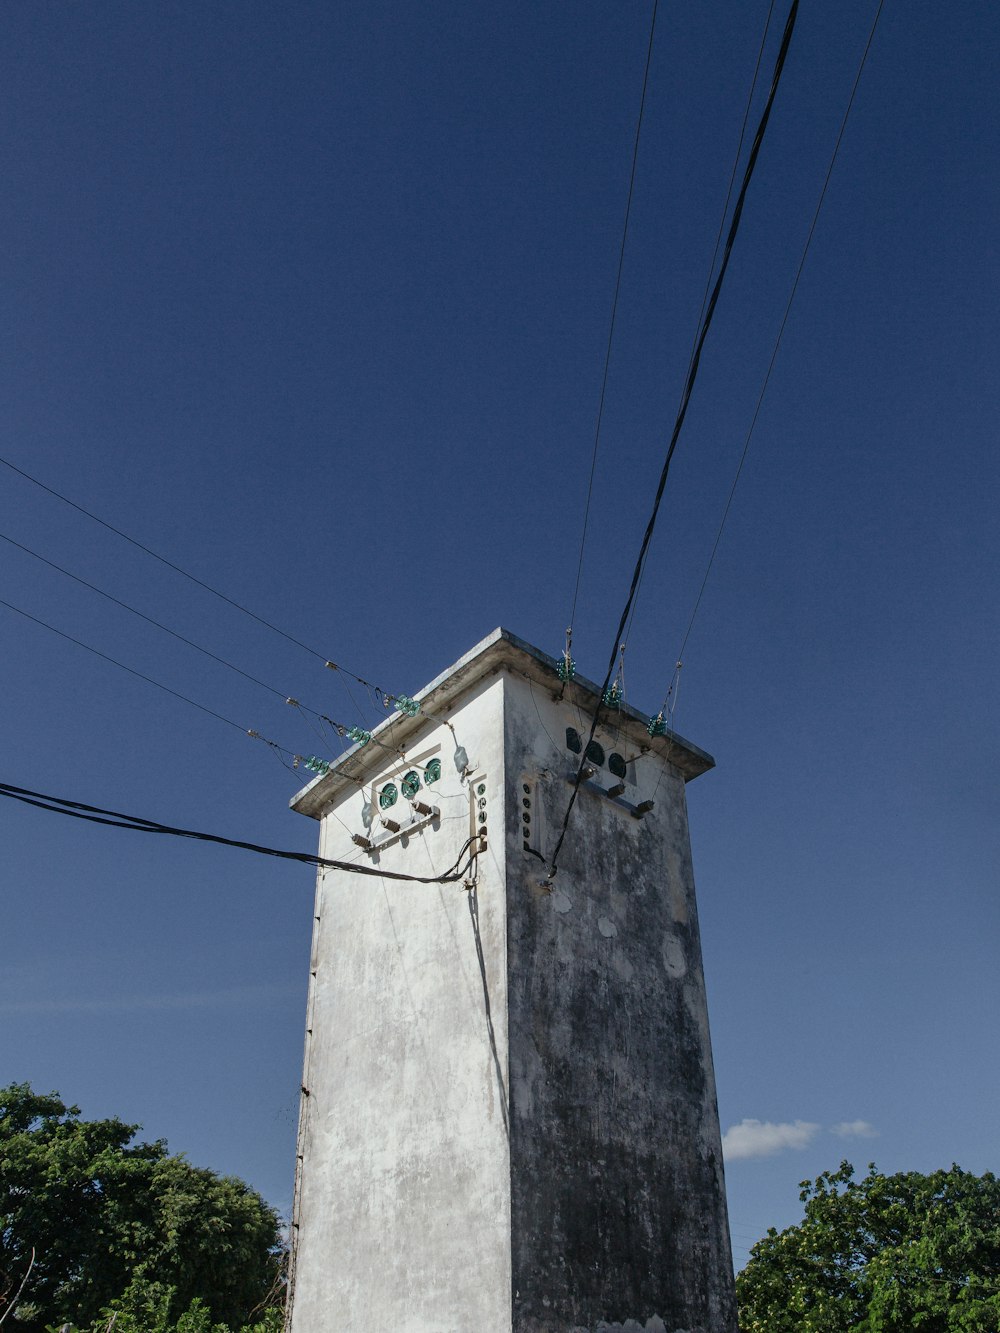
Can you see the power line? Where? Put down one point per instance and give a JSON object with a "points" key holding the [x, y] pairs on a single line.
{"points": [[121, 665], [722, 220], [682, 412], [357, 734], [281, 694], [781, 328], [96, 814], [614, 312], [178, 569], [732, 177], [142, 616], [387, 699]]}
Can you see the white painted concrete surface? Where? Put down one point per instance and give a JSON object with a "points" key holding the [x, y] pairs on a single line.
{"points": [[509, 1119]]}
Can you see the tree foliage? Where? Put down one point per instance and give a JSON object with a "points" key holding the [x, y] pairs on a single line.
{"points": [[908, 1253], [114, 1223]]}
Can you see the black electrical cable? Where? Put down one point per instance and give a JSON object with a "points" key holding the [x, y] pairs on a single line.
{"points": [[781, 330], [682, 412], [96, 814], [732, 178], [614, 312], [710, 310], [722, 222]]}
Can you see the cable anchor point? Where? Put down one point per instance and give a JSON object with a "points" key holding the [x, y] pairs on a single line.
{"points": [[614, 695], [566, 669], [657, 725]]}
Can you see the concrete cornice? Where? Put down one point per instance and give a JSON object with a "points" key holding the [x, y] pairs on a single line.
{"points": [[499, 651]]}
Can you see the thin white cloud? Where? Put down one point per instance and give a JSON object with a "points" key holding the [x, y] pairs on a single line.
{"points": [[762, 1138], [854, 1129]]}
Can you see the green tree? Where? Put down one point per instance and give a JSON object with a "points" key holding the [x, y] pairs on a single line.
{"points": [[908, 1253], [110, 1219], [147, 1307]]}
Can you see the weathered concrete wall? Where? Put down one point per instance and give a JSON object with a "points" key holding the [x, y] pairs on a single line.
{"points": [[618, 1205], [509, 1123], [402, 1215]]}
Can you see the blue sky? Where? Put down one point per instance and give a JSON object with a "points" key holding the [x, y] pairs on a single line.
{"points": [[313, 300]]}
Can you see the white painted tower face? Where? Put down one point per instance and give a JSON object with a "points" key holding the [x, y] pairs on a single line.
{"points": [[508, 1119]]}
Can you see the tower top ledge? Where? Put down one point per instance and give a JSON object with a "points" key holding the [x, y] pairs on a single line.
{"points": [[499, 651]]}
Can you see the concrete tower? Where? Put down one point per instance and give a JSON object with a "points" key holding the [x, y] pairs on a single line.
{"points": [[508, 1118]]}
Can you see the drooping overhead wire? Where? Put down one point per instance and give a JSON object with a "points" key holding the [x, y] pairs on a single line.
{"points": [[95, 814], [722, 224], [614, 312], [682, 411], [781, 328]]}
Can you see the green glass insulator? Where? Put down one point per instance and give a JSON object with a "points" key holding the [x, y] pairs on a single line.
{"points": [[657, 726], [358, 734], [566, 668], [432, 773], [410, 784], [387, 796]]}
